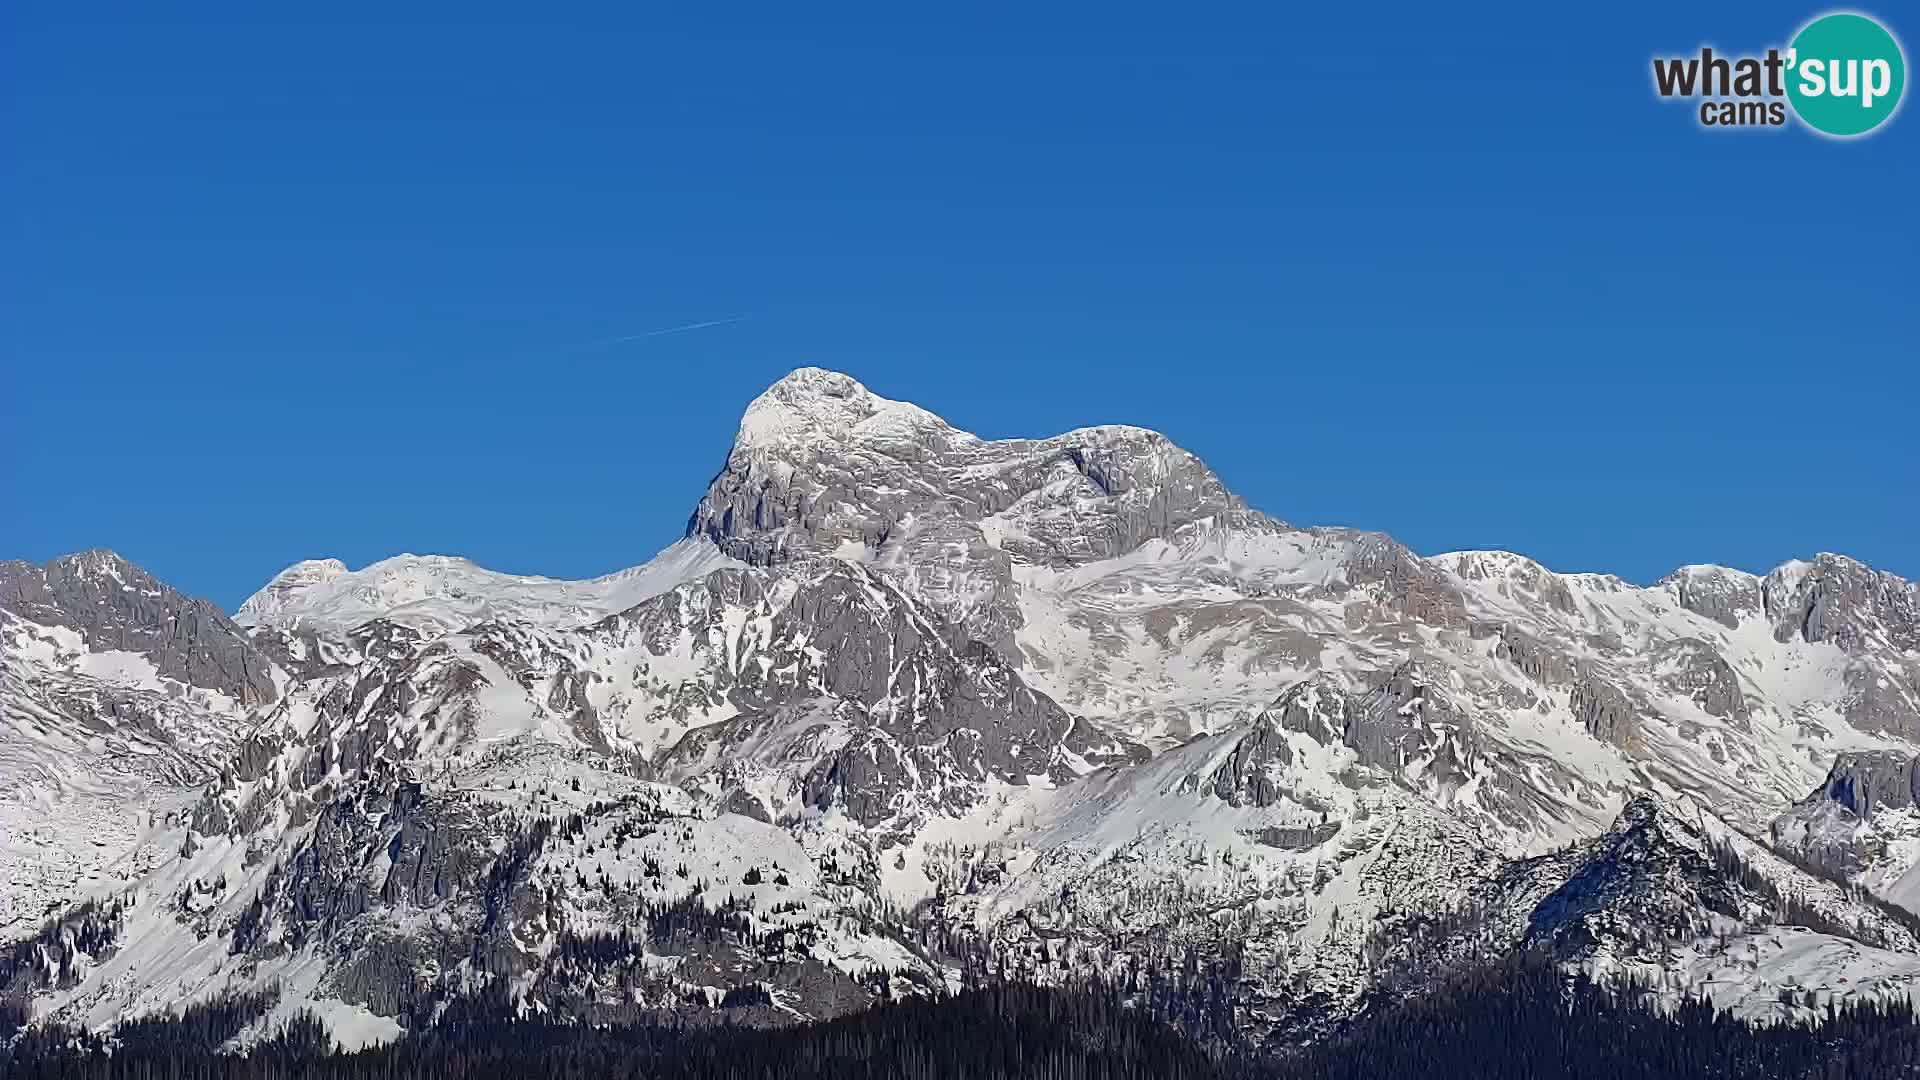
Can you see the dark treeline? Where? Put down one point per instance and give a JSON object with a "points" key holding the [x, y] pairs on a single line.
{"points": [[1521, 1018], [1004, 1032]]}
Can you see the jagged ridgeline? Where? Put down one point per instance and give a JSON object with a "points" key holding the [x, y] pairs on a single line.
{"points": [[909, 713]]}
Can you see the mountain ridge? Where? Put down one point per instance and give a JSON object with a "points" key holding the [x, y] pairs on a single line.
{"points": [[790, 409], [909, 709]]}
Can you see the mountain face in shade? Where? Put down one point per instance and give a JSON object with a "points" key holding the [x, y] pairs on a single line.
{"points": [[117, 606], [908, 709]]}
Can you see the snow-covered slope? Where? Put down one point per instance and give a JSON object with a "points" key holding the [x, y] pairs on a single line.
{"points": [[118, 696], [908, 707], [1131, 587], [442, 593]]}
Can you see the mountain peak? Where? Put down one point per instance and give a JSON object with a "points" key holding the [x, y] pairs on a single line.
{"points": [[813, 404], [311, 571], [809, 379], [116, 606], [273, 596], [93, 563], [824, 466]]}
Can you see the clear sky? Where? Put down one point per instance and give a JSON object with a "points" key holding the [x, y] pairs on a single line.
{"points": [[287, 281]]}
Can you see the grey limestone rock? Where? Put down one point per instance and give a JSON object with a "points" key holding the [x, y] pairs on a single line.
{"points": [[116, 605], [1247, 777], [1884, 697], [1406, 712], [1868, 780], [1726, 596], [1535, 659], [1837, 599], [1516, 575], [929, 711], [822, 465], [1317, 706], [1606, 710], [1408, 584], [1696, 669]]}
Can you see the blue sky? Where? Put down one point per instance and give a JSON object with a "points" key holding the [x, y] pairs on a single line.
{"points": [[282, 282]]}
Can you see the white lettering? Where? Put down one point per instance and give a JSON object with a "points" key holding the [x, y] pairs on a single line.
{"points": [[1813, 78], [1879, 80]]}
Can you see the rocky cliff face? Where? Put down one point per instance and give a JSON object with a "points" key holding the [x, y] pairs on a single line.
{"points": [[118, 694], [1862, 822], [908, 708], [822, 465], [118, 607], [1836, 599]]}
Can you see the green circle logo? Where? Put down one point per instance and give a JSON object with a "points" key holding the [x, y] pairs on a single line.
{"points": [[1845, 74]]}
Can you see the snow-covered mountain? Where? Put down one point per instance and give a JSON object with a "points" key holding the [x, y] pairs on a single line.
{"points": [[117, 696], [442, 593], [909, 708]]}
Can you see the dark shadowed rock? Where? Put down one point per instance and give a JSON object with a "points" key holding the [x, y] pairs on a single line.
{"points": [[1867, 780], [1248, 776], [116, 605]]}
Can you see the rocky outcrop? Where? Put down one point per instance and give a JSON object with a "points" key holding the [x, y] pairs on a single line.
{"points": [[1695, 669], [1648, 877], [1406, 712], [1296, 837], [1884, 697], [1515, 575], [821, 461], [1535, 659], [869, 777], [1317, 707], [923, 709], [1406, 583], [1836, 599], [1834, 826], [1726, 596], [1608, 712], [1868, 780], [116, 605], [276, 595], [1249, 775]]}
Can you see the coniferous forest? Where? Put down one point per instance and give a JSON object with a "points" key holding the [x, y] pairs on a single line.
{"points": [[1520, 1018]]}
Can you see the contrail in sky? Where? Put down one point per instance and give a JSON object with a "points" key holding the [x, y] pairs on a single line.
{"points": [[663, 331]]}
